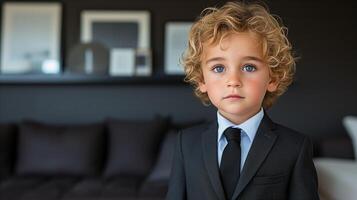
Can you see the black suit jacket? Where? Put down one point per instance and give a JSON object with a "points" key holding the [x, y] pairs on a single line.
{"points": [[279, 166]]}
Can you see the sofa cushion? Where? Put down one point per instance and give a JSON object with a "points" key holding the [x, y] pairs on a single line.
{"points": [[133, 146], [36, 187], [16, 187], [162, 168], [156, 189], [7, 148], [59, 150], [94, 188]]}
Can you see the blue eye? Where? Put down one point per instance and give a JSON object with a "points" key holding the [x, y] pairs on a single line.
{"points": [[249, 68], [218, 69]]}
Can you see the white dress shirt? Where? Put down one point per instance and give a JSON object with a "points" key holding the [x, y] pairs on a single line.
{"points": [[249, 129]]}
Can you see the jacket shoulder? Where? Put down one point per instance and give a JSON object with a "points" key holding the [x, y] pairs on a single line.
{"points": [[290, 136]]}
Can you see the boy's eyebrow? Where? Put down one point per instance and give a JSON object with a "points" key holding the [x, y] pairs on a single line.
{"points": [[244, 58], [253, 58], [214, 59]]}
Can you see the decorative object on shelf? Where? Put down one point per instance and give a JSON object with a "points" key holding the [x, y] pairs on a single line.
{"points": [[143, 62], [122, 62], [125, 33], [130, 62], [31, 38], [88, 58], [176, 37]]}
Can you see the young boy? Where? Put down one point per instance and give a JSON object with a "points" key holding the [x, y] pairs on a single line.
{"points": [[240, 60]]}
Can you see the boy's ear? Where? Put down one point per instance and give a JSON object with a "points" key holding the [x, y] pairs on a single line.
{"points": [[202, 87], [273, 85]]}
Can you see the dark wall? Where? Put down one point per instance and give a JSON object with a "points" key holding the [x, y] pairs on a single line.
{"points": [[323, 34]]}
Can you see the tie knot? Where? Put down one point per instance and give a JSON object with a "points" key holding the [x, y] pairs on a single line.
{"points": [[232, 134]]}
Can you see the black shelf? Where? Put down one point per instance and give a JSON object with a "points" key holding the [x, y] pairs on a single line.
{"points": [[71, 79]]}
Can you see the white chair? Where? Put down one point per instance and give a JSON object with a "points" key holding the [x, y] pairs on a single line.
{"points": [[338, 177]]}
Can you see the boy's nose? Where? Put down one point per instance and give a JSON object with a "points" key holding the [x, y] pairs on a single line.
{"points": [[234, 80]]}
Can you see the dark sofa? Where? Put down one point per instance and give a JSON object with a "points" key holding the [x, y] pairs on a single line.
{"points": [[116, 159]]}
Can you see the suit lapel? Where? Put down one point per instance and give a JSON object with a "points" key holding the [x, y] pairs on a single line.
{"points": [[263, 142], [209, 145]]}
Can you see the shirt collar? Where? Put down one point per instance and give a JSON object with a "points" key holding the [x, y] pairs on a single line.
{"points": [[249, 127]]}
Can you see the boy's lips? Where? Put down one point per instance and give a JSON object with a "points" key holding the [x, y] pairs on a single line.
{"points": [[233, 96]]}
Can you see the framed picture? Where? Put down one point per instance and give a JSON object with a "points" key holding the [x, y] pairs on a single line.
{"points": [[123, 32], [31, 38], [176, 40]]}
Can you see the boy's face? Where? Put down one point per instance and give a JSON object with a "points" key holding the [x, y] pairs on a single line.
{"points": [[236, 76]]}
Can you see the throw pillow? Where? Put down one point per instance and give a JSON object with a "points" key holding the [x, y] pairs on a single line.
{"points": [[133, 146], [59, 150], [162, 168]]}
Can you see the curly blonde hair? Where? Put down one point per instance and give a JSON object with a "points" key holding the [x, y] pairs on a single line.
{"points": [[215, 24]]}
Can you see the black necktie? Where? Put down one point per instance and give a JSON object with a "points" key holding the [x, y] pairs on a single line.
{"points": [[230, 163]]}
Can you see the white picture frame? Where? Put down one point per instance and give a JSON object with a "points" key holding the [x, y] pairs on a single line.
{"points": [[142, 18], [176, 41], [31, 38], [117, 30]]}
